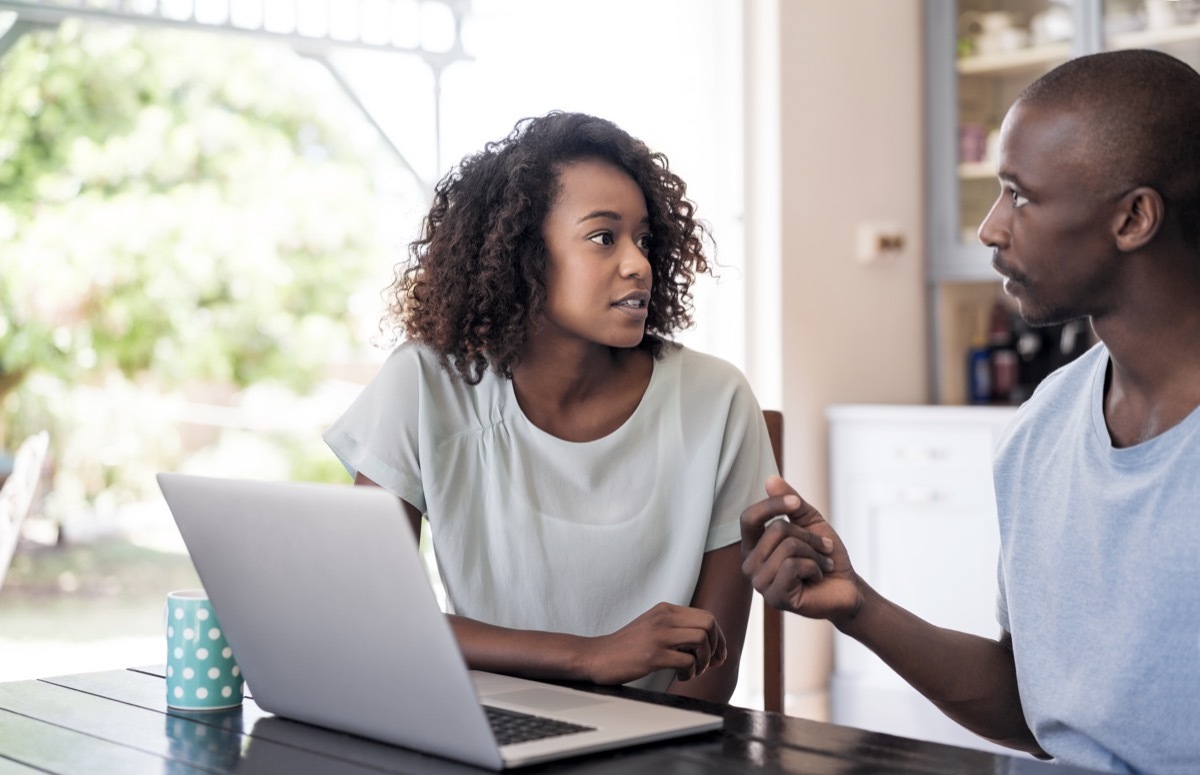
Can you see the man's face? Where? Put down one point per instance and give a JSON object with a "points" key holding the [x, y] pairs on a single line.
{"points": [[1051, 227]]}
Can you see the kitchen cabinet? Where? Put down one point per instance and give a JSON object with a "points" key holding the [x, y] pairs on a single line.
{"points": [[979, 55], [911, 495]]}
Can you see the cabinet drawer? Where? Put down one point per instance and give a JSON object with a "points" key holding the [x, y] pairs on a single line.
{"points": [[970, 491], [904, 448]]}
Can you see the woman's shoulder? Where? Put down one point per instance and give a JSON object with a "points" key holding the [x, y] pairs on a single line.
{"points": [[696, 365], [411, 354], [441, 396], [413, 351], [443, 370], [416, 362], [706, 386]]}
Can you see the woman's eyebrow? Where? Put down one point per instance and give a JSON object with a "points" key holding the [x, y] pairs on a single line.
{"points": [[612, 215]]}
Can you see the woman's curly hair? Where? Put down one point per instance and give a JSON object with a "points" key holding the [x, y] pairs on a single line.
{"points": [[473, 288]]}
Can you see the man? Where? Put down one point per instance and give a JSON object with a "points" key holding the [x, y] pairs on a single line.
{"points": [[1098, 476]]}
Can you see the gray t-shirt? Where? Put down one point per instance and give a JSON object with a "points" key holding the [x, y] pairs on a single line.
{"points": [[537, 533], [1100, 578]]}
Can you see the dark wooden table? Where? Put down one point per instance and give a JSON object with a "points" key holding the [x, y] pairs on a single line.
{"points": [[117, 722]]}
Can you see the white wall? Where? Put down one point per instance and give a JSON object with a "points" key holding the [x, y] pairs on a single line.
{"points": [[849, 110], [833, 137]]}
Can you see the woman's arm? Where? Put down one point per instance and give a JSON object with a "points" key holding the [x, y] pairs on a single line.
{"points": [[678, 638], [725, 591], [667, 637]]}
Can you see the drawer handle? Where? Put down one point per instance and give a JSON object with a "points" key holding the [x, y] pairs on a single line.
{"points": [[922, 454], [920, 495]]}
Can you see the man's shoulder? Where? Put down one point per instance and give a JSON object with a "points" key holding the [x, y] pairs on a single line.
{"points": [[1058, 408], [1070, 381]]}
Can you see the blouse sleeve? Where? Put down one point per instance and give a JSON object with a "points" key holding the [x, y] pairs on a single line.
{"points": [[745, 459], [379, 435]]}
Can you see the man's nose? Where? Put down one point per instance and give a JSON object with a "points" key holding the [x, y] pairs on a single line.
{"points": [[994, 230]]}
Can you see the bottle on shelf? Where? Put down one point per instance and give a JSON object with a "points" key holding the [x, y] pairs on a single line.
{"points": [[993, 362], [979, 366], [979, 371], [1003, 361]]}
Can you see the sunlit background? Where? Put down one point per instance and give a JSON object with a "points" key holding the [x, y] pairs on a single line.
{"points": [[195, 228]]}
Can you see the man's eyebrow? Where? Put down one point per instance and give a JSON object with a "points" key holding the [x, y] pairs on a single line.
{"points": [[1010, 178]]}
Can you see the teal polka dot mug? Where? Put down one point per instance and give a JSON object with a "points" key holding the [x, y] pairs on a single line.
{"points": [[201, 672]]}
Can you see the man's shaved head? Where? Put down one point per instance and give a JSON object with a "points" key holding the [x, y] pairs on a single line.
{"points": [[1142, 110]]}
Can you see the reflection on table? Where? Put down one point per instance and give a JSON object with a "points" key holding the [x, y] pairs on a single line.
{"points": [[117, 722]]}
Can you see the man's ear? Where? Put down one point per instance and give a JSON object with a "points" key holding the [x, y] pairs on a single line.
{"points": [[1139, 216]]}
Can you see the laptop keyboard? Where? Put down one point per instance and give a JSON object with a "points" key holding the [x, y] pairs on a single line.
{"points": [[512, 727]]}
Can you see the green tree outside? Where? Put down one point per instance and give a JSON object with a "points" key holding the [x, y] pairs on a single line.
{"points": [[176, 207]]}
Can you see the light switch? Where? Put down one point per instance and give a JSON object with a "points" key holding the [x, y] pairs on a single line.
{"points": [[877, 240]]}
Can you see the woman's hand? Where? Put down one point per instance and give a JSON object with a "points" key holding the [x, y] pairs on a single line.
{"points": [[798, 564], [686, 640]]}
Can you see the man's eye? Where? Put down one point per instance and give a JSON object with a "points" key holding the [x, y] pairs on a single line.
{"points": [[1018, 200], [602, 238]]}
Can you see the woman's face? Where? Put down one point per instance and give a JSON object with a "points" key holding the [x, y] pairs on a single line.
{"points": [[597, 267]]}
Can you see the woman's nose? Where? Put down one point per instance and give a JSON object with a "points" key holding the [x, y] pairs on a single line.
{"points": [[634, 262]]}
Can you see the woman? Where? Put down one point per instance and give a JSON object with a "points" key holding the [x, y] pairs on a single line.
{"points": [[582, 475]]}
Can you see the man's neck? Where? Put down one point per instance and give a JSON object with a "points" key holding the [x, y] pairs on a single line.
{"points": [[1153, 382]]}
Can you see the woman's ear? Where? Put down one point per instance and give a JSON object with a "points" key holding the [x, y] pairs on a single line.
{"points": [[1139, 216]]}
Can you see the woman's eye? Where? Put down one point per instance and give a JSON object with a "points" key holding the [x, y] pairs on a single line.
{"points": [[602, 238], [644, 242]]}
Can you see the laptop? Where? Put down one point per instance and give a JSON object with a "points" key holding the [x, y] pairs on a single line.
{"points": [[325, 603]]}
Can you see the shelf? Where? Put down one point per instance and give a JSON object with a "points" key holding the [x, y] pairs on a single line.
{"points": [[1032, 57], [1015, 61], [977, 170], [1184, 33], [978, 90]]}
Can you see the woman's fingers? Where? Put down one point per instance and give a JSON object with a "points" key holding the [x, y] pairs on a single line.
{"points": [[691, 640], [680, 638]]}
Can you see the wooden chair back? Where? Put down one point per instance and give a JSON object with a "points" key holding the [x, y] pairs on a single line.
{"points": [[773, 683]]}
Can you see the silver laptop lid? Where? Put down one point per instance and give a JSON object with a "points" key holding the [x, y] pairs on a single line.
{"points": [[320, 634]]}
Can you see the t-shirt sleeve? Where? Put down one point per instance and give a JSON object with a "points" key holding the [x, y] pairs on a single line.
{"points": [[379, 435], [1001, 597], [745, 462]]}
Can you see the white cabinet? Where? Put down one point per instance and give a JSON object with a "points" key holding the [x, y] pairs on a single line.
{"points": [[911, 495]]}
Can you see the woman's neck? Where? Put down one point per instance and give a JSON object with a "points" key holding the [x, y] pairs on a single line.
{"points": [[582, 395]]}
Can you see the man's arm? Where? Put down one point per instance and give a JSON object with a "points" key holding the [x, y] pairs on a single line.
{"points": [[971, 679], [799, 564]]}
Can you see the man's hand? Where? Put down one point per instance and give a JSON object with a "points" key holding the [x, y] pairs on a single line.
{"points": [[798, 564]]}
